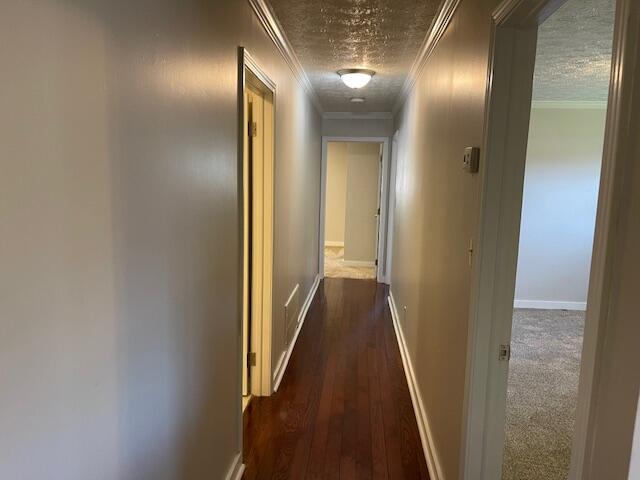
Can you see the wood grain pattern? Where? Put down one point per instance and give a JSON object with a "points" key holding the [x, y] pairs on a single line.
{"points": [[343, 409]]}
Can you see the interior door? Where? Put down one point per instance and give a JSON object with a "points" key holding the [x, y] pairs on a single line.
{"points": [[246, 276], [254, 244], [378, 206]]}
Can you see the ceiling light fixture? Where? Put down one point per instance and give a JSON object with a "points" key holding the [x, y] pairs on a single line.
{"points": [[356, 100], [356, 77]]}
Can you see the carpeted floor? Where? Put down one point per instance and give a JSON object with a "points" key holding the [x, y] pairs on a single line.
{"points": [[334, 266], [541, 396]]}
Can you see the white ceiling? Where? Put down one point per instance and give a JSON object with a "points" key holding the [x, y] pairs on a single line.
{"points": [[328, 35], [574, 52], [572, 64]]}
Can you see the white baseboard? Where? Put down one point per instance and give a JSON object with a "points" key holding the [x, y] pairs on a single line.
{"points": [[426, 437], [237, 468], [550, 305], [284, 358], [333, 244], [358, 263]]}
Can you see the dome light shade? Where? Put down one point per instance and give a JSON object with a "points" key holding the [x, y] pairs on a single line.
{"points": [[356, 77]]}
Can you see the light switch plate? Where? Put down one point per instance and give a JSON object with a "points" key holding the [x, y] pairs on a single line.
{"points": [[471, 159]]}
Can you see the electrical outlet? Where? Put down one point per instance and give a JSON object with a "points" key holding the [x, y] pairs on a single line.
{"points": [[471, 160]]}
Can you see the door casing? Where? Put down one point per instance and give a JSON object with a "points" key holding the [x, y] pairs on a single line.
{"points": [[256, 289], [381, 240]]}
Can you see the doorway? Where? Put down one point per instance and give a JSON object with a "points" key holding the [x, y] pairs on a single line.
{"points": [[353, 233], [499, 348], [257, 174], [558, 216]]}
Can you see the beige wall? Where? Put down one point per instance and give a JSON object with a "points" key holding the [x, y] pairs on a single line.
{"points": [[119, 234], [436, 215], [363, 166], [336, 195]]}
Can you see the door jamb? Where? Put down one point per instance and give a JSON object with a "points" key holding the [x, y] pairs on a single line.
{"points": [[393, 170], [515, 24], [384, 197], [261, 330]]}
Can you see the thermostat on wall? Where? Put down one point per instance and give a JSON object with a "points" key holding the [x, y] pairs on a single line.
{"points": [[471, 159]]}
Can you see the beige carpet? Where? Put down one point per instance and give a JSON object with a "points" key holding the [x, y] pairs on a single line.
{"points": [[334, 266], [542, 393]]}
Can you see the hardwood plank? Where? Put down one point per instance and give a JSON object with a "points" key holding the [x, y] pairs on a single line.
{"points": [[343, 409]]}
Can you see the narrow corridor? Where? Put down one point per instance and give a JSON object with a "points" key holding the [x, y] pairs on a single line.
{"points": [[343, 409]]}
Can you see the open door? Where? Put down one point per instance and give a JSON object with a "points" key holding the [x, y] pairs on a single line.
{"points": [[257, 230], [379, 238]]}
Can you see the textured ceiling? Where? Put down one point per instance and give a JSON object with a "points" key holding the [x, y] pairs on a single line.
{"points": [[328, 35], [573, 55], [574, 52]]}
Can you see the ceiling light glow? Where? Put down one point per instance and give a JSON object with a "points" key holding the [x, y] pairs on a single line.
{"points": [[356, 77]]}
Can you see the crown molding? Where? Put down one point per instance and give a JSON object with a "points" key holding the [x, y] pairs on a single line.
{"points": [[358, 116], [277, 35], [437, 29], [570, 104]]}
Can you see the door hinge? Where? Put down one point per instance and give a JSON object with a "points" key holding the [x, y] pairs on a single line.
{"points": [[376, 262], [504, 353], [253, 129], [378, 210], [251, 359]]}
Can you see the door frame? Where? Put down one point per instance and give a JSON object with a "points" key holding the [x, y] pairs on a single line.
{"points": [[261, 326], [508, 105], [384, 197], [393, 170]]}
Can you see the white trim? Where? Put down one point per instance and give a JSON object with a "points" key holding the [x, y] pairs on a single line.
{"points": [[569, 104], [291, 295], [286, 355], [426, 436], [507, 113], [550, 305], [252, 64], [278, 37], [436, 30], [384, 198], [236, 469], [358, 116], [393, 170], [329, 243], [359, 263]]}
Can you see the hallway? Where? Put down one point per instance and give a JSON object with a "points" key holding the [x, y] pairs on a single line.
{"points": [[343, 409], [166, 255]]}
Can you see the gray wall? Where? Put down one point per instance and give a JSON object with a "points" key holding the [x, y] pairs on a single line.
{"points": [[119, 234], [564, 157], [437, 207], [359, 127]]}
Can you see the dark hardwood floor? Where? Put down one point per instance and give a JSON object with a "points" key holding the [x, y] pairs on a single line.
{"points": [[343, 409]]}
